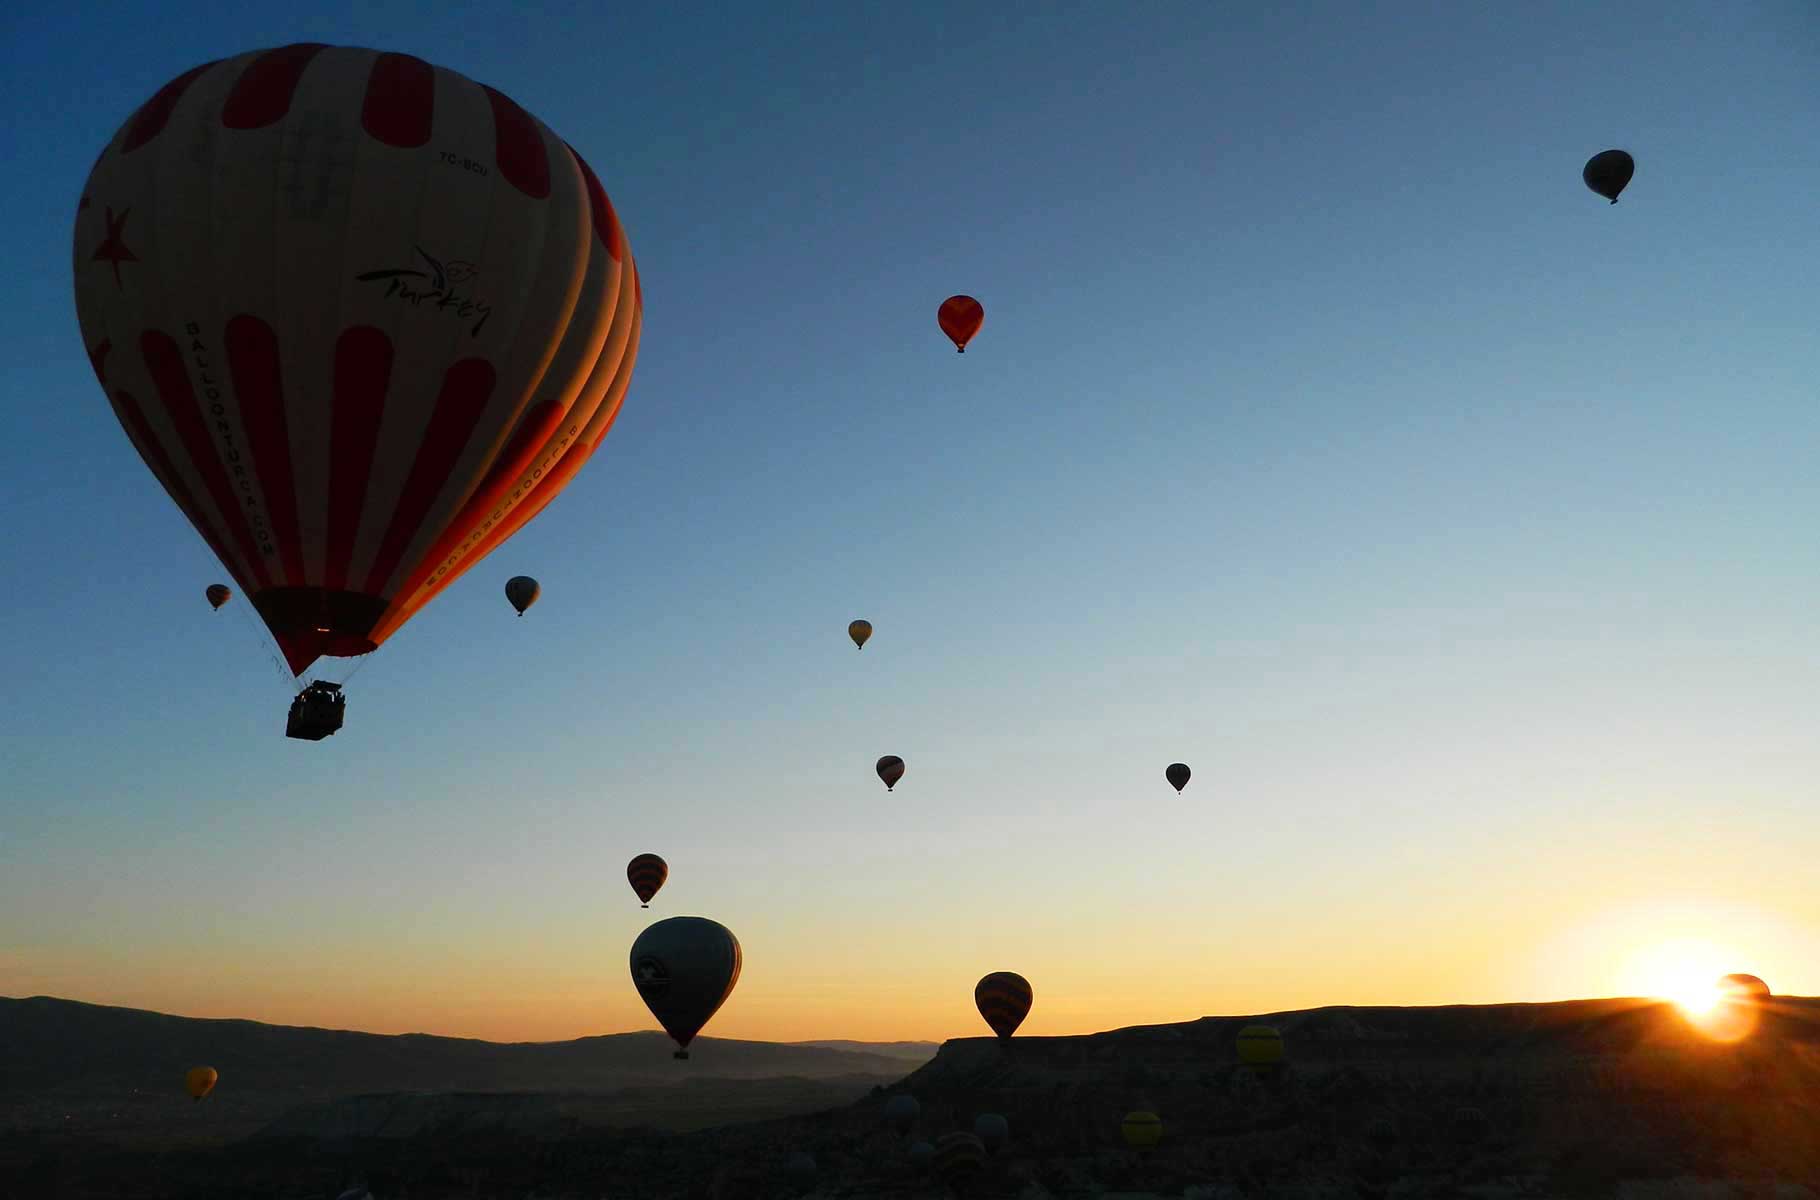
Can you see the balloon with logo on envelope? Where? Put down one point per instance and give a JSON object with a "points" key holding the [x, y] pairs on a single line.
{"points": [[361, 316], [684, 969]]}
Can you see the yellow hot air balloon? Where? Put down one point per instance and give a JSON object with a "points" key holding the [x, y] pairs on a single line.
{"points": [[1260, 1046], [200, 1082], [859, 631], [1142, 1130]]}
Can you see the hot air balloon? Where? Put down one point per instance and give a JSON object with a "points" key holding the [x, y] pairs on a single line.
{"points": [[1177, 774], [1260, 1046], [890, 769], [958, 1158], [1381, 1134], [200, 1081], [859, 631], [361, 316], [901, 1112], [960, 318], [1607, 173], [522, 592], [218, 594], [1470, 1126], [922, 1155], [684, 969], [646, 874], [1004, 999], [799, 1168], [1743, 987], [992, 1130], [1142, 1130]]}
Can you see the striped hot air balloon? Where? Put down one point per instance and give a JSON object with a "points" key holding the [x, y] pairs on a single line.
{"points": [[361, 316], [1260, 1046], [1004, 999], [958, 1158], [647, 874]]}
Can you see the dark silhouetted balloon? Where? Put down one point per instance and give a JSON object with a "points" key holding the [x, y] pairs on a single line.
{"points": [[922, 1155], [1004, 999], [1381, 1134], [1607, 173], [1177, 774], [890, 769], [992, 1130], [684, 969], [1260, 1046], [901, 1112], [218, 594], [1141, 1130], [958, 1157], [799, 1168], [200, 1081], [522, 591], [1743, 987], [646, 874], [1470, 1126], [960, 318], [859, 631], [356, 394]]}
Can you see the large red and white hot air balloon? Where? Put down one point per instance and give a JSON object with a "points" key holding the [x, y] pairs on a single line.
{"points": [[361, 316]]}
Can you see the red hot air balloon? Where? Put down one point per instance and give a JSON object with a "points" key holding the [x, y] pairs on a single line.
{"points": [[218, 594], [361, 316], [960, 318], [1004, 999], [646, 874]]}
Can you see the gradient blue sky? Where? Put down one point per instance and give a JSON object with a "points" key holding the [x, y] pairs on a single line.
{"points": [[1325, 432]]}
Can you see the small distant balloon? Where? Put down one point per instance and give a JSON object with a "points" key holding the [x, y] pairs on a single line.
{"points": [[1142, 1130], [799, 1168], [1608, 172], [992, 1130], [960, 318], [1260, 1046], [901, 1112], [922, 1154], [684, 969], [1743, 987], [1004, 999], [859, 631], [522, 591], [1177, 774], [890, 769], [200, 1081], [646, 874], [218, 594]]}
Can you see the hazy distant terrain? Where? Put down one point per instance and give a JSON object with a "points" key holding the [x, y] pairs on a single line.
{"points": [[1609, 1098]]}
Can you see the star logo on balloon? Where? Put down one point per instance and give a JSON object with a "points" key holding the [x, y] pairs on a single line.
{"points": [[113, 247]]}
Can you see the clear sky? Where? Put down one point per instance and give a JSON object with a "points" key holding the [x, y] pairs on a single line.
{"points": [[1325, 433]]}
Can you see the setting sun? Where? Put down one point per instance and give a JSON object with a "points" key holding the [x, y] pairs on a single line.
{"points": [[1683, 971]]}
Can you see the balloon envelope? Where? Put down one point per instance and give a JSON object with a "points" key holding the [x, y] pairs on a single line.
{"points": [[859, 631], [1141, 1130], [1177, 774], [890, 769], [1260, 1046], [958, 1156], [362, 318], [800, 1167], [522, 591], [647, 874], [1004, 999], [992, 1130], [218, 594], [960, 318], [1744, 987], [901, 1112], [200, 1081], [922, 1154], [1608, 172], [684, 969]]}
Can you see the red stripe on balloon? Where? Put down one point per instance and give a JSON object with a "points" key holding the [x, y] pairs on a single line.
{"points": [[400, 100], [466, 388], [363, 373], [155, 113], [518, 147], [263, 93], [164, 360], [97, 358], [252, 350], [153, 452], [606, 221]]}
